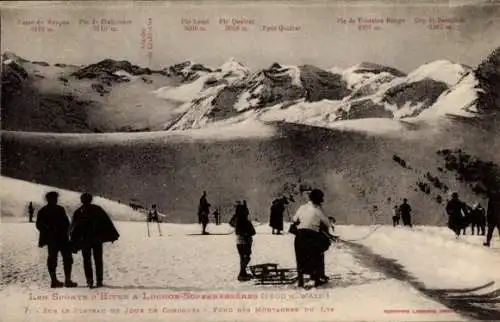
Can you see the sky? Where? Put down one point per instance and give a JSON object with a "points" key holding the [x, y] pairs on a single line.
{"points": [[326, 34]]}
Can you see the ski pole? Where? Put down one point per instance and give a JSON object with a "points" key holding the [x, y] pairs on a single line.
{"points": [[147, 224]]}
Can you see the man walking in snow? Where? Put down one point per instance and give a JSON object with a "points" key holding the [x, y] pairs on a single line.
{"points": [[405, 211], [53, 224], [203, 212], [91, 227], [493, 215]]}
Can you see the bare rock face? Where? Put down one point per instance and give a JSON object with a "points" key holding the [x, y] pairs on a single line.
{"points": [[488, 75]]}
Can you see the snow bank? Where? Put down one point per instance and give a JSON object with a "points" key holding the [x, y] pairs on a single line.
{"points": [[16, 194], [432, 254], [250, 128]]}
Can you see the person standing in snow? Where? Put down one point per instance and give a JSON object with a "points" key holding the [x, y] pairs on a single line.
{"points": [[276, 218], [456, 210], [405, 211], [31, 211], [310, 243], [493, 214], [478, 219], [53, 224], [244, 238], [395, 216], [203, 212], [90, 228], [217, 216]]}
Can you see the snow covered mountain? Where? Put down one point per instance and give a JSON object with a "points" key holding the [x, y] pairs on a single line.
{"points": [[309, 95], [112, 95], [103, 97]]}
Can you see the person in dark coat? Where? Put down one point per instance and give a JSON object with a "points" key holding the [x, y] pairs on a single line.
{"points": [[456, 210], [405, 211], [31, 212], [276, 218], [53, 224], [244, 238], [90, 228], [493, 215], [478, 219], [203, 212]]}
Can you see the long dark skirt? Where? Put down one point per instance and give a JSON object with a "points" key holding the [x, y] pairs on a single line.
{"points": [[307, 252], [276, 220]]}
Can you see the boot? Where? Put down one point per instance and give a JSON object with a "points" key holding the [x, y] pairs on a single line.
{"points": [[67, 277], [300, 279], [54, 282], [487, 244]]}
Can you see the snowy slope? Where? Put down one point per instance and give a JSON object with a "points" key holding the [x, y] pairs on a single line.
{"points": [[17, 194], [160, 268], [188, 267]]}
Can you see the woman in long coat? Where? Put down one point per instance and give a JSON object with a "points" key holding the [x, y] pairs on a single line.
{"points": [[276, 218]]}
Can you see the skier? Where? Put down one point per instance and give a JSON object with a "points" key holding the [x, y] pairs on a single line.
{"points": [[203, 212], [310, 243], [455, 209], [31, 211], [153, 214], [276, 218], [405, 211], [91, 227], [395, 216], [53, 224], [493, 214], [244, 238]]}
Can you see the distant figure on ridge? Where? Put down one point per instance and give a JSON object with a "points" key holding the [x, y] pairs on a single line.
{"points": [[203, 212], [53, 224]]}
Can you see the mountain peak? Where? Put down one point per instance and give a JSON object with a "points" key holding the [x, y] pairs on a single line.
{"points": [[9, 55]]}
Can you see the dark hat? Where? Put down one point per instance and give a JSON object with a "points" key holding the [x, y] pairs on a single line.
{"points": [[316, 196], [86, 198], [51, 195]]}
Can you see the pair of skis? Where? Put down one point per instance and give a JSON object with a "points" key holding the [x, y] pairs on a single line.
{"points": [[159, 228]]}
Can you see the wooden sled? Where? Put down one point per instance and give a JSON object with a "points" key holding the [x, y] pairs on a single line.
{"points": [[270, 274]]}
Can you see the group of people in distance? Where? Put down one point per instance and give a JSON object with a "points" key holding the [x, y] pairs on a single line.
{"points": [[461, 215], [402, 212], [90, 227]]}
